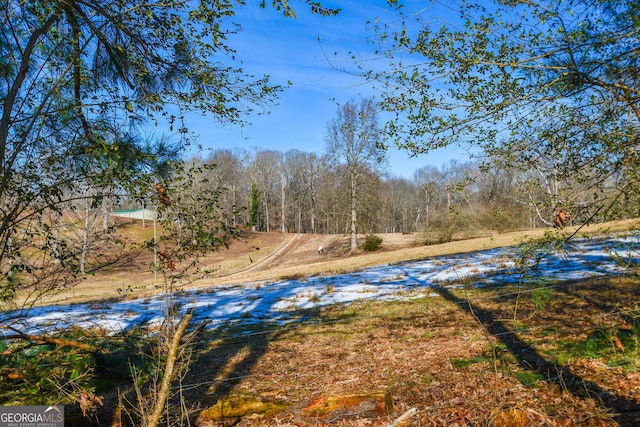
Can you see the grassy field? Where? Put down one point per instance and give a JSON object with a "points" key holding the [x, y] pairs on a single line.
{"points": [[550, 354], [567, 355], [271, 256]]}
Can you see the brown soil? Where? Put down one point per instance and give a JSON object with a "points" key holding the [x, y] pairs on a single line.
{"points": [[466, 358], [259, 256], [469, 357]]}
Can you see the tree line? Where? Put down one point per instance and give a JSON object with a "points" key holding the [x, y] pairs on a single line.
{"points": [[307, 192], [547, 91]]}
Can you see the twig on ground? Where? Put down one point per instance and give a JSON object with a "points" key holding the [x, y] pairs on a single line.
{"points": [[404, 417]]}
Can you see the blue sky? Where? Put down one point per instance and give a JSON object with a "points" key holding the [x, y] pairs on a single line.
{"points": [[294, 50]]}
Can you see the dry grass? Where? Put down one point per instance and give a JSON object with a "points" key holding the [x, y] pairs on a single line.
{"points": [[466, 358], [437, 356], [271, 256]]}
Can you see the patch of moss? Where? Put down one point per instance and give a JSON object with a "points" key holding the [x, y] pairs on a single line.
{"points": [[463, 363], [377, 402], [240, 405], [529, 379]]}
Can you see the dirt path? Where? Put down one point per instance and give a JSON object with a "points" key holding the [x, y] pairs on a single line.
{"points": [[271, 256], [285, 247]]}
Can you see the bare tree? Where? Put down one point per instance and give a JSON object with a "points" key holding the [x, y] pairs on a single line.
{"points": [[400, 200], [265, 172], [429, 182], [354, 140], [228, 174], [316, 170]]}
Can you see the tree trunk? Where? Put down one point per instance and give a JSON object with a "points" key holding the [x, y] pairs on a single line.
{"points": [[234, 201], [85, 239], [354, 236], [312, 214], [283, 214], [105, 217], [56, 240], [167, 378]]}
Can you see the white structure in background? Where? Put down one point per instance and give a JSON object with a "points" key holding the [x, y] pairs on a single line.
{"points": [[136, 214], [144, 214]]}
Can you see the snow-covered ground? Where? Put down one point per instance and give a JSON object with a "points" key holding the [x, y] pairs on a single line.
{"points": [[280, 301]]}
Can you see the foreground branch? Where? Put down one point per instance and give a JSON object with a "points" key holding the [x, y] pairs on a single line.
{"points": [[43, 339], [163, 394]]}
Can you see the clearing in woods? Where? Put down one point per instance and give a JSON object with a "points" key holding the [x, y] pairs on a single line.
{"points": [[556, 355], [269, 256]]}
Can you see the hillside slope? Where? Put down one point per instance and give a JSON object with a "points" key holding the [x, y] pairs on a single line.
{"points": [[270, 256]]}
